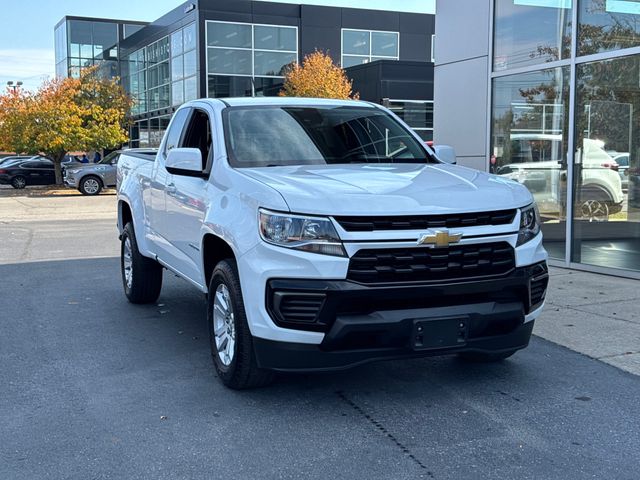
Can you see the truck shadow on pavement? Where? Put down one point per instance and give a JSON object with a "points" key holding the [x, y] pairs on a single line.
{"points": [[86, 371]]}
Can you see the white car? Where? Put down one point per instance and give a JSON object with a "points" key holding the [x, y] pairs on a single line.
{"points": [[325, 234], [534, 162]]}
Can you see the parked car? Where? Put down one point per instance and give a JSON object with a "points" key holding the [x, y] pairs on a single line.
{"points": [[536, 161], [33, 171], [91, 178], [14, 157], [326, 234]]}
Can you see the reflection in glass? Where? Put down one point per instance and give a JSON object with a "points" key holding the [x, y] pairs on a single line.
{"points": [[234, 62], [177, 93], [190, 63], [272, 63], [606, 218], [224, 86], [190, 89], [189, 35], [177, 71], [275, 38], [349, 61], [233, 35], [176, 43], [608, 25], [528, 35], [384, 44], [529, 143], [355, 42]]}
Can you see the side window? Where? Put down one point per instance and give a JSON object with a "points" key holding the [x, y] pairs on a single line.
{"points": [[29, 165], [198, 135], [175, 130]]}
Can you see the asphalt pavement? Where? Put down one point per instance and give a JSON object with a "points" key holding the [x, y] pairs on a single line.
{"points": [[92, 387]]}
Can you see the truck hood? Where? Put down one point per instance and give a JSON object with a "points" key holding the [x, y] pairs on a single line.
{"points": [[361, 189]]}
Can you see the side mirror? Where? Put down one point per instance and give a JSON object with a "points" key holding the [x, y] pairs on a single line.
{"points": [[445, 153], [184, 161]]}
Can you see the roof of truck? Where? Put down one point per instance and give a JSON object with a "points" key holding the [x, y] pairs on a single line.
{"points": [[264, 101]]}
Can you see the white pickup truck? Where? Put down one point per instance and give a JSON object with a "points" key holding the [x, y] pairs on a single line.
{"points": [[325, 234]]}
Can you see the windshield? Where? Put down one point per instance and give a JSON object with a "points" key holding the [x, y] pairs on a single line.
{"points": [[276, 136], [109, 158]]}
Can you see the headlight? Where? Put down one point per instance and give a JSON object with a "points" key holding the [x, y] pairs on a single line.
{"points": [[73, 172], [529, 223], [310, 234]]}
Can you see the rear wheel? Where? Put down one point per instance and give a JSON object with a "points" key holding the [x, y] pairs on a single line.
{"points": [[229, 335], [484, 357], [90, 185], [19, 182], [141, 276]]}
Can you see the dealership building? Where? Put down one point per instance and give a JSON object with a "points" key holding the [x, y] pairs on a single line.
{"points": [[226, 48], [547, 93]]}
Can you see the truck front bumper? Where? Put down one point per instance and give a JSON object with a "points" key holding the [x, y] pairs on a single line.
{"points": [[363, 323]]}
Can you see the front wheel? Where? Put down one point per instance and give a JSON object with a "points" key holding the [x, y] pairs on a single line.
{"points": [[229, 335], [19, 182], [141, 276], [90, 185]]}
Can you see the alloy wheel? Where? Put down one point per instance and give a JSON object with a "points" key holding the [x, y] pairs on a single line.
{"points": [[595, 210], [91, 186], [127, 262], [224, 325]]}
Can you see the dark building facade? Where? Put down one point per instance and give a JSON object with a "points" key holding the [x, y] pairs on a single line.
{"points": [[226, 48]]}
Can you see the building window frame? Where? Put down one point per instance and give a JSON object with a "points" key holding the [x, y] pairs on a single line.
{"points": [[252, 50], [370, 55]]}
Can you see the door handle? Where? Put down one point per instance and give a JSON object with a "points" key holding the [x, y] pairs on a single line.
{"points": [[171, 189]]}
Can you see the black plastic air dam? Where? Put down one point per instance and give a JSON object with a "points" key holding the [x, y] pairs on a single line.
{"points": [[297, 357]]}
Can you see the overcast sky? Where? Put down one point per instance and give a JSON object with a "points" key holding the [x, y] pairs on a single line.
{"points": [[26, 28]]}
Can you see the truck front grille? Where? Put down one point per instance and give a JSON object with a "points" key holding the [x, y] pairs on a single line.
{"points": [[421, 222], [400, 265]]}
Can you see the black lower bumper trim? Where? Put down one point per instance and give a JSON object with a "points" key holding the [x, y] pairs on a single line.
{"points": [[297, 357]]}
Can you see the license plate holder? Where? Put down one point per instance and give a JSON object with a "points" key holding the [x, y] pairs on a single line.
{"points": [[437, 333]]}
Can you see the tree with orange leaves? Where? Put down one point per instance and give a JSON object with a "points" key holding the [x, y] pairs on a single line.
{"points": [[64, 115], [317, 77]]}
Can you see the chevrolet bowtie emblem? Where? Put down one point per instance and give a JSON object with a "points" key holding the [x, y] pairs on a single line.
{"points": [[439, 238]]}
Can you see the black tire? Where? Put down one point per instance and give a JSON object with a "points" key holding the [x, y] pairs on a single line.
{"points": [[90, 185], [18, 182], [482, 357], [145, 274], [239, 370]]}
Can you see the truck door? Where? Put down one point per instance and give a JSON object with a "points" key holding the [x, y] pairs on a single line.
{"points": [[154, 192], [186, 202]]}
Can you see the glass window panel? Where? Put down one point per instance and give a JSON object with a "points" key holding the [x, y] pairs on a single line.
{"points": [[74, 50], [143, 129], [268, 87], [608, 25], [176, 43], [190, 63], [373, 59], [272, 63], [177, 93], [355, 42], [349, 61], [163, 73], [80, 31], [384, 44], [164, 96], [527, 33], [234, 62], [189, 34], [175, 132], [606, 196], [529, 143], [130, 29], [105, 35], [228, 35], [275, 38], [163, 49], [86, 50], [177, 70], [225, 86], [152, 77], [190, 89]]}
